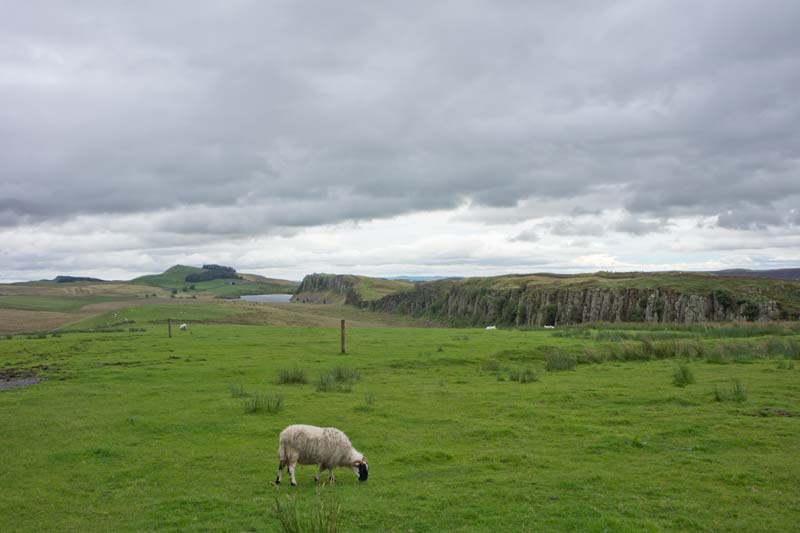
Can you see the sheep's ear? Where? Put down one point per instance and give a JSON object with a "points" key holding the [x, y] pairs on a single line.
{"points": [[356, 463]]}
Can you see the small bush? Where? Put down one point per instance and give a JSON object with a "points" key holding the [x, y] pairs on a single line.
{"points": [[326, 517], [292, 375], [271, 403], [736, 392], [556, 362], [682, 376]]}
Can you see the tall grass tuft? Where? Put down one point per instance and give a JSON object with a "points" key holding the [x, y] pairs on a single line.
{"points": [[682, 376], [237, 391], [526, 375], [292, 375], [559, 361], [736, 392], [784, 364], [258, 402], [339, 379], [343, 374], [325, 517]]}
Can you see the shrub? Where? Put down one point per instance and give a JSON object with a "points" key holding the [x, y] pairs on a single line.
{"points": [[292, 375], [682, 376], [784, 364], [559, 361], [271, 403], [326, 517]]}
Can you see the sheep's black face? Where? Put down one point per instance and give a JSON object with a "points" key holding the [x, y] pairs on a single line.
{"points": [[363, 471]]}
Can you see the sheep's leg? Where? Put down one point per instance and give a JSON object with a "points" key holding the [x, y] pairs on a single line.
{"points": [[319, 471], [330, 475], [291, 474], [280, 473]]}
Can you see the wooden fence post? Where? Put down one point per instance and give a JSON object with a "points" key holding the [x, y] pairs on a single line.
{"points": [[343, 338], [169, 328]]}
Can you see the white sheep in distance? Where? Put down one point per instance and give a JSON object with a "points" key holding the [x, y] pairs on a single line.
{"points": [[489, 328], [184, 327], [326, 447]]}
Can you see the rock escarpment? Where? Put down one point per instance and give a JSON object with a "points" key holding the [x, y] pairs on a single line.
{"points": [[536, 300], [328, 288], [540, 306]]}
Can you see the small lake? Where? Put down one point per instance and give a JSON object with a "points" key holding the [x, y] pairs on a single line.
{"points": [[281, 298]]}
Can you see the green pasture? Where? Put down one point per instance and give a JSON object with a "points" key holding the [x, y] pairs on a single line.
{"points": [[134, 431]]}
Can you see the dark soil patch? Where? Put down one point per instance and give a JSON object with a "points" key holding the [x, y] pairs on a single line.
{"points": [[14, 378], [766, 411]]}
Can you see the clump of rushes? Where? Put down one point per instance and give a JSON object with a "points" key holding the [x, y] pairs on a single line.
{"points": [[292, 375], [339, 379], [237, 391], [271, 403], [526, 375], [682, 376], [559, 361], [736, 392], [326, 517]]}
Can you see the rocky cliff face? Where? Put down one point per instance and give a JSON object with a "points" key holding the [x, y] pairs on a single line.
{"points": [[327, 288], [479, 302], [461, 304]]}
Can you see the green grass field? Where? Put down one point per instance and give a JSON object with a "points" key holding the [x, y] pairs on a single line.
{"points": [[134, 431]]}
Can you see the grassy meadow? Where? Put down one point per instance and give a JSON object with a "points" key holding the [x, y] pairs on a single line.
{"points": [[609, 428]]}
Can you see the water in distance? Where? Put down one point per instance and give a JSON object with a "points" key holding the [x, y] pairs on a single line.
{"points": [[282, 298]]}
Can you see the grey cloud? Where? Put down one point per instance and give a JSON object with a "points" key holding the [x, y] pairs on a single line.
{"points": [[637, 226], [127, 109], [528, 235]]}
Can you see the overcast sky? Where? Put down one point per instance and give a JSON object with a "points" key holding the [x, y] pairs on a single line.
{"points": [[438, 138]]}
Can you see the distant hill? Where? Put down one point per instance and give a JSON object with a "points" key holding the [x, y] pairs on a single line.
{"points": [[538, 299], [420, 279], [778, 273], [175, 279], [73, 279]]}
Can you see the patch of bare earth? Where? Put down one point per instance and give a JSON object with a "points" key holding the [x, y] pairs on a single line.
{"points": [[13, 378]]}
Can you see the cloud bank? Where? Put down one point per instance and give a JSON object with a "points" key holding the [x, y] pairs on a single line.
{"points": [[155, 129]]}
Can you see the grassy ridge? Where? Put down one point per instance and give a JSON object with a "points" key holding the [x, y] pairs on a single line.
{"points": [[134, 431]]}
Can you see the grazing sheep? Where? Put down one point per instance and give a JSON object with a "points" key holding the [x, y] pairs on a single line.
{"points": [[184, 327], [326, 447], [491, 327], [549, 327]]}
